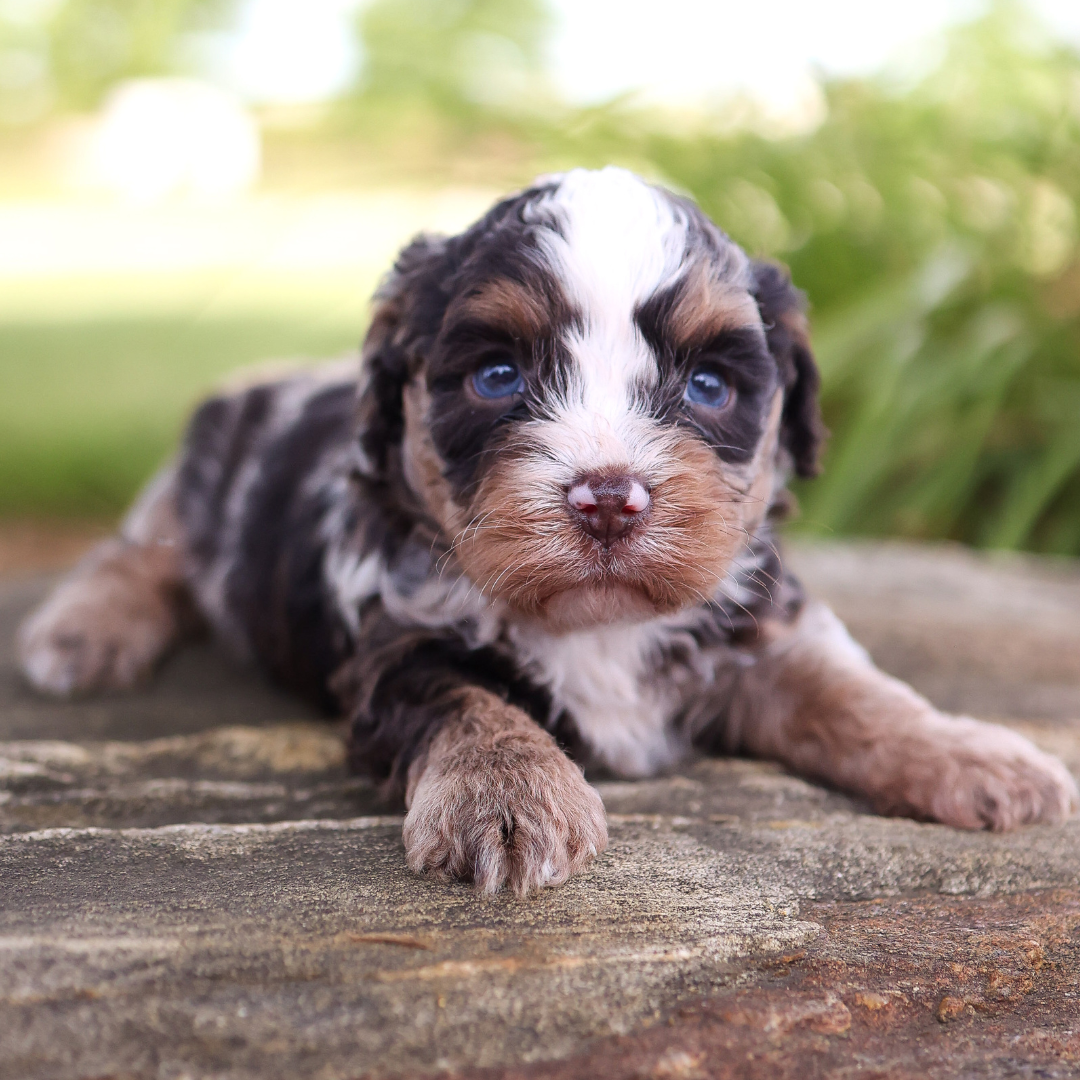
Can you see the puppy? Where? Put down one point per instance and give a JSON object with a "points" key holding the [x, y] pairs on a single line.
{"points": [[534, 533]]}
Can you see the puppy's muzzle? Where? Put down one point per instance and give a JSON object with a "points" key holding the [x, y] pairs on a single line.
{"points": [[608, 507]]}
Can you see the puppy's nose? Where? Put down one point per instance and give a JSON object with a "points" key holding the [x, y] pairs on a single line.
{"points": [[608, 507]]}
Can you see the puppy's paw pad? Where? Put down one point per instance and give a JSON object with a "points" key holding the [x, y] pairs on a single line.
{"points": [[524, 818]]}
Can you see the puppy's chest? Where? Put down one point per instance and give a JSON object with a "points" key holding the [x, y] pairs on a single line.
{"points": [[618, 686]]}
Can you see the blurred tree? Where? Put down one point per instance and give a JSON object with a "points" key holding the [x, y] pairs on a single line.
{"points": [[459, 57], [26, 92], [68, 54], [96, 43]]}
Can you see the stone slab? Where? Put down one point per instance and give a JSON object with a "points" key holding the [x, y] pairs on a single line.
{"points": [[994, 635], [191, 885], [923, 988]]}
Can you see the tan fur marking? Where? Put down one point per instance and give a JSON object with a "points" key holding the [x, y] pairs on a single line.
{"points": [[798, 325], [422, 464], [495, 801], [387, 321], [814, 701], [504, 305], [530, 554], [707, 308]]}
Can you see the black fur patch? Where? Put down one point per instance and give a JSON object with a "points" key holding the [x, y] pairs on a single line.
{"points": [[428, 275], [265, 540], [742, 356], [782, 306], [222, 438], [402, 686]]}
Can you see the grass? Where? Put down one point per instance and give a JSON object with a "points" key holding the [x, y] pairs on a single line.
{"points": [[114, 321], [93, 403]]}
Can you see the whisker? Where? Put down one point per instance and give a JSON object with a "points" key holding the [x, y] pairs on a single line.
{"points": [[743, 607]]}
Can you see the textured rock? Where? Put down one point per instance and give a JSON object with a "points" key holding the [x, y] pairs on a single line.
{"points": [[993, 635], [905, 990], [192, 885], [268, 950]]}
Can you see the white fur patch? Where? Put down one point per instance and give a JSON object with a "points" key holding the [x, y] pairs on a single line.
{"points": [[444, 601], [440, 600], [596, 675], [146, 522], [620, 242], [353, 579]]}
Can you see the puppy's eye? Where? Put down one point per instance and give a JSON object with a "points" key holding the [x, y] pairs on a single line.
{"points": [[706, 386], [497, 380]]}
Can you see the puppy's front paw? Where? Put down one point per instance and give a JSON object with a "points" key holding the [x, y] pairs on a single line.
{"points": [[984, 776], [103, 629], [499, 803]]}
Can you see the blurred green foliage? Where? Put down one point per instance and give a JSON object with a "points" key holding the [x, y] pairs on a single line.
{"points": [[464, 58], [69, 54], [932, 223], [934, 229], [95, 43], [93, 404]]}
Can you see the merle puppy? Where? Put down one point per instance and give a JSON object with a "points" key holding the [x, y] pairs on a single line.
{"points": [[534, 532]]}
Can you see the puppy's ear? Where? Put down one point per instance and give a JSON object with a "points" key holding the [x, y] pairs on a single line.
{"points": [[409, 307], [783, 311]]}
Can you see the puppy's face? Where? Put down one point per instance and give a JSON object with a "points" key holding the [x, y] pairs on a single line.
{"points": [[591, 407]]}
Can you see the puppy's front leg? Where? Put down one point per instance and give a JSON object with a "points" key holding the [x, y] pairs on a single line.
{"points": [[494, 800], [491, 798], [814, 701]]}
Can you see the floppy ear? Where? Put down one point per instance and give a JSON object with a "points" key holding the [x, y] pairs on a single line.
{"points": [[783, 311], [409, 306]]}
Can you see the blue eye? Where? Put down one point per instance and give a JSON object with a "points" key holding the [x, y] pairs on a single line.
{"points": [[706, 386], [498, 380]]}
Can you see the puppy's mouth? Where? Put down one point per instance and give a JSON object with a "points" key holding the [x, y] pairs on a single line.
{"points": [[622, 575], [613, 560], [597, 558], [592, 603]]}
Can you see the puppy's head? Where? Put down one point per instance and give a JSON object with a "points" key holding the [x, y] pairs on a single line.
{"points": [[594, 393]]}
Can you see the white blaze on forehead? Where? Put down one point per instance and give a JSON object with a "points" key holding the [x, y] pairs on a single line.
{"points": [[621, 242]]}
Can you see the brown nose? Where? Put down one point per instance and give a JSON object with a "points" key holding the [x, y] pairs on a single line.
{"points": [[608, 507]]}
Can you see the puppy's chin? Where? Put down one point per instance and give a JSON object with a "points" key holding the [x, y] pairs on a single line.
{"points": [[585, 606]]}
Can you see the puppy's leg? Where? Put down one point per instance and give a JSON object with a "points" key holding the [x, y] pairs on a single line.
{"points": [[491, 798], [494, 800], [814, 701], [119, 611]]}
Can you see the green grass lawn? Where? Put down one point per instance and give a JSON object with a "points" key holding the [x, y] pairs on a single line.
{"points": [[93, 398]]}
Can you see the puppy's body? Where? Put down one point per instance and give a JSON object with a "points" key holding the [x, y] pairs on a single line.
{"points": [[539, 520], [298, 560]]}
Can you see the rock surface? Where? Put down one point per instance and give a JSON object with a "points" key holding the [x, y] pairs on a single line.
{"points": [[192, 885]]}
